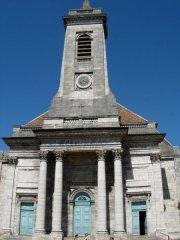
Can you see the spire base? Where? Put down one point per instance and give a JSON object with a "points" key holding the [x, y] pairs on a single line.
{"points": [[86, 5]]}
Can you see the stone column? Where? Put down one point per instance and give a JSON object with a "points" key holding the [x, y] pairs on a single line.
{"points": [[102, 218], [118, 190], [57, 199], [41, 204]]}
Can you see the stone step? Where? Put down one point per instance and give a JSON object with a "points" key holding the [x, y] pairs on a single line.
{"points": [[4, 235], [20, 238], [125, 237]]}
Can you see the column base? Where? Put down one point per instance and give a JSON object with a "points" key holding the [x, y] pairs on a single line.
{"points": [[102, 235], [119, 233], [39, 235], [57, 235]]}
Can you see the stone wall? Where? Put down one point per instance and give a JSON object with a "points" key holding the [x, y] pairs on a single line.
{"points": [[6, 195], [177, 169], [27, 177], [170, 194], [144, 183]]}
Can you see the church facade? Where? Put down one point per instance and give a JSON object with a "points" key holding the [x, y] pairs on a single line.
{"points": [[88, 166]]}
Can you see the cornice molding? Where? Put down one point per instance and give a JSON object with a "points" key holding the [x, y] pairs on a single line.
{"points": [[21, 141], [144, 140], [87, 18]]}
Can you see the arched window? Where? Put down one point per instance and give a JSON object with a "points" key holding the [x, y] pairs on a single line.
{"points": [[84, 48]]}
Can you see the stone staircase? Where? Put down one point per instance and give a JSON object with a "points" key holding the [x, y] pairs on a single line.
{"points": [[18, 238], [130, 237], [4, 235], [125, 237]]}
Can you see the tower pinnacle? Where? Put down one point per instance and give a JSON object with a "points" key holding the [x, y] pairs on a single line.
{"points": [[86, 5]]}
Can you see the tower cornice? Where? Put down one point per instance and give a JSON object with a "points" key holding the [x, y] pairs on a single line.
{"points": [[85, 17]]}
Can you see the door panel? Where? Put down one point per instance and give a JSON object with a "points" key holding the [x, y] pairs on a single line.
{"points": [[77, 220], [82, 215], [135, 223], [27, 219], [138, 207], [86, 219]]}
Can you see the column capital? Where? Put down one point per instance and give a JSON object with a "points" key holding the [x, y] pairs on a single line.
{"points": [[58, 155], [2, 155], [117, 154], [43, 155], [155, 157], [101, 154], [12, 160]]}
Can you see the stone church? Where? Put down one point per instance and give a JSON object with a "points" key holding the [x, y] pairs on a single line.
{"points": [[88, 167]]}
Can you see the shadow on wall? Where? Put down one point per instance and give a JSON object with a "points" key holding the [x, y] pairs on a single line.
{"points": [[109, 185], [50, 190], [166, 193]]}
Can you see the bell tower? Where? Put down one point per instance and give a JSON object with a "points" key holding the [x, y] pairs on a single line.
{"points": [[84, 91]]}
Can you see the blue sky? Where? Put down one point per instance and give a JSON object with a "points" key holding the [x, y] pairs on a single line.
{"points": [[143, 51]]}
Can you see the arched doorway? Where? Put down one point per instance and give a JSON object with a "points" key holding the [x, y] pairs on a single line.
{"points": [[82, 214]]}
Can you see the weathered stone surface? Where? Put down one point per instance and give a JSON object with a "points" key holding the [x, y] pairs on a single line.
{"points": [[80, 123], [95, 102]]}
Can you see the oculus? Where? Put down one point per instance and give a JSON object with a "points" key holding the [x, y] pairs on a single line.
{"points": [[83, 81]]}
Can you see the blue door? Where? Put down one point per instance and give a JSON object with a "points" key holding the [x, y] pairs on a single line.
{"points": [[135, 223], [82, 214], [139, 225], [27, 219]]}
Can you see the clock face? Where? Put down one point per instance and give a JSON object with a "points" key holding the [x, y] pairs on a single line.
{"points": [[83, 81]]}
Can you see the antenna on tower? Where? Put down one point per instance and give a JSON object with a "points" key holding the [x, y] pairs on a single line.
{"points": [[86, 5]]}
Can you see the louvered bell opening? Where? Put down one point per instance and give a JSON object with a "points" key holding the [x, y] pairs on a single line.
{"points": [[84, 48]]}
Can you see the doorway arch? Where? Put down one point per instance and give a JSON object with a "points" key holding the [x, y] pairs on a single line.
{"points": [[82, 214]]}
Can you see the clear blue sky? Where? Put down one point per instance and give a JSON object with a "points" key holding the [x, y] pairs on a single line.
{"points": [[143, 58]]}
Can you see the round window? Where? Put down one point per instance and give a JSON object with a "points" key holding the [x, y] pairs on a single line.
{"points": [[84, 81]]}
